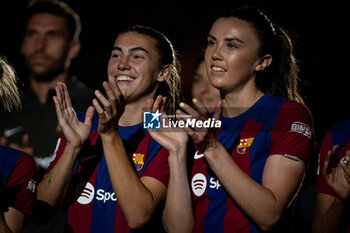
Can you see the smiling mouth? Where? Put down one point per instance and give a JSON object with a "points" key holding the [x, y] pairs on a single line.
{"points": [[217, 69], [124, 78]]}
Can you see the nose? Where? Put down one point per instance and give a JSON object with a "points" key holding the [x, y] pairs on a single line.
{"points": [[40, 42], [124, 64], [216, 53]]}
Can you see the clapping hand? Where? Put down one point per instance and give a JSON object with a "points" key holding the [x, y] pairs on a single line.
{"points": [[173, 139], [113, 107], [337, 177], [202, 137], [75, 131]]}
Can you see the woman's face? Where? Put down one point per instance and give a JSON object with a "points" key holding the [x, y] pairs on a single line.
{"points": [[134, 64], [231, 55]]}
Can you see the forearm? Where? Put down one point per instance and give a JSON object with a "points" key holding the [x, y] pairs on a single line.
{"points": [[328, 221], [3, 226], [53, 187], [178, 214], [135, 199], [257, 201]]}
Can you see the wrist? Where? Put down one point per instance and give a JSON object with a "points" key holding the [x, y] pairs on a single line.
{"points": [[110, 136], [178, 156], [73, 148]]}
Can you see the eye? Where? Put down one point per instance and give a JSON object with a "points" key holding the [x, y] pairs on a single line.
{"points": [[210, 42], [30, 33], [55, 34], [232, 45], [137, 57], [115, 55]]}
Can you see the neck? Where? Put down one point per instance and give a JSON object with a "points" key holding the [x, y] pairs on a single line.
{"points": [[235, 103], [133, 113], [41, 89]]}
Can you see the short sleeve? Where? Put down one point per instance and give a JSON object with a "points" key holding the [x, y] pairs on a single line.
{"points": [[23, 174], [293, 132], [158, 167]]}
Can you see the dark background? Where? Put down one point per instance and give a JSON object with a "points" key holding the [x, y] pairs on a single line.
{"points": [[318, 28]]}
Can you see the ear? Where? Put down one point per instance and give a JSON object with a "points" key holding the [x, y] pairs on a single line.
{"points": [[74, 49], [164, 73], [264, 62]]}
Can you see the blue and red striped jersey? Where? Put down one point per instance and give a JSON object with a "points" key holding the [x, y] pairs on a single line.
{"points": [[270, 126], [93, 205]]}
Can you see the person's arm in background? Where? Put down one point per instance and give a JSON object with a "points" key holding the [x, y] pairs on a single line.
{"points": [[329, 208]]}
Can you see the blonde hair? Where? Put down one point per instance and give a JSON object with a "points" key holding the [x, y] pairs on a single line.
{"points": [[9, 92]]}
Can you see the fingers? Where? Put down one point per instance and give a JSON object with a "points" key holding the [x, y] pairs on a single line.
{"points": [[327, 162], [189, 110], [59, 111], [201, 108], [63, 100], [120, 96], [163, 104], [99, 109], [345, 164], [89, 115], [217, 110], [157, 104], [115, 88], [67, 99]]}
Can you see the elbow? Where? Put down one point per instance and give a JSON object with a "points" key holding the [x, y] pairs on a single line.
{"points": [[268, 222], [138, 221]]}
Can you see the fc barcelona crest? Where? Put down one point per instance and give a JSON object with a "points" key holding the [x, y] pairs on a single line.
{"points": [[138, 160], [244, 144]]}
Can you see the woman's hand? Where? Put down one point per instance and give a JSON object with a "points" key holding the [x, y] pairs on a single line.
{"points": [[203, 138], [75, 131], [113, 108], [173, 139], [337, 178], [345, 164]]}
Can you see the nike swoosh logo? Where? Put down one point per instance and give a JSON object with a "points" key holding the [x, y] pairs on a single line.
{"points": [[198, 156], [13, 131]]}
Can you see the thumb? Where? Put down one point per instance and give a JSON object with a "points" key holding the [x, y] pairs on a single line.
{"points": [[89, 115]]}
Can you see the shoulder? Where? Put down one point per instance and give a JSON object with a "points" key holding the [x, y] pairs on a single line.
{"points": [[294, 117], [295, 110]]}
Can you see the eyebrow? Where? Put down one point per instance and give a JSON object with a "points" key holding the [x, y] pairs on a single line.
{"points": [[227, 39], [131, 50]]}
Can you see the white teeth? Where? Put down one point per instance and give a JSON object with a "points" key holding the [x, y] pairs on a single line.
{"points": [[216, 68], [124, 78]]}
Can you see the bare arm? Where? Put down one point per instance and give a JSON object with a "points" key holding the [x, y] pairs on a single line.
{"points": [[53, 186], [329, 209], [11, 221], [328, 212], [138, 197], [263, 203], [178, 213]]}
